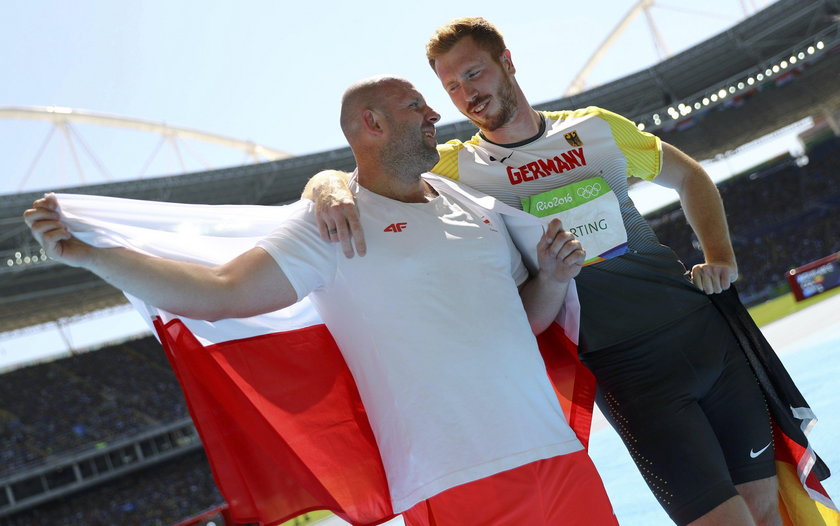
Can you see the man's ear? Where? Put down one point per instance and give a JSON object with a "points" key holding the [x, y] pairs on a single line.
{"points": [[507, 62], [372, 122]]}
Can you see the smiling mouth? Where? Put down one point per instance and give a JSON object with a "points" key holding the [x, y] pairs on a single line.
{"points": [[478, 108]]}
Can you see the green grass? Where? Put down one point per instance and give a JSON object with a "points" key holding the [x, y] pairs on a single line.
{"points": [[308, 518], [786, 305]]}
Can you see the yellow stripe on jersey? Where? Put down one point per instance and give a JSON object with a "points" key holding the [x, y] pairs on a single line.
{"points": [[448, 164], [642, 150]]}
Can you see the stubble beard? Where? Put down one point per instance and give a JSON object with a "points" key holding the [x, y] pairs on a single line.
{"points": [[410, 155], [507, 108]]}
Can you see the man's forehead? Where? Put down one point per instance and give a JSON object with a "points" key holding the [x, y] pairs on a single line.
{"points": [[401, 89], [463, 55]]}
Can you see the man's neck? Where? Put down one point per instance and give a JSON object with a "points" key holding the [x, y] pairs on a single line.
{"points": [[398, 188], [523, 126]]}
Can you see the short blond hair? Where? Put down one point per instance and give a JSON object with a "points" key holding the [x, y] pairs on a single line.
{"points": [[482, 32]]}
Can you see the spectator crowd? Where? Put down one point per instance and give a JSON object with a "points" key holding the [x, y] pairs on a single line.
{"points": [[781, 216], [156, 496]]}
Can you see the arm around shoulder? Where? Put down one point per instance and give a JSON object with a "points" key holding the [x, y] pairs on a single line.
{"points": [[325, 182], [335, 210]]}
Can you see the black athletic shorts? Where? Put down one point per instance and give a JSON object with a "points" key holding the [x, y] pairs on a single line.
{"points": [[690, 411]]}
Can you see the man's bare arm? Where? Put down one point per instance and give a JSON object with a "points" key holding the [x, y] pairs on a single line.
{"points": [[335, 210], [250, 284], [560, 257], [703, 208]]}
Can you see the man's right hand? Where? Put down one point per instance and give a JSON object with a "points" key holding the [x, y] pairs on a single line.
{"points": [[335, 211], [59, 244], [559, 253]]}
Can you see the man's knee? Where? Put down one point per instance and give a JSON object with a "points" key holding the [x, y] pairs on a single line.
{"points": [[761, 497], [732, 512]]}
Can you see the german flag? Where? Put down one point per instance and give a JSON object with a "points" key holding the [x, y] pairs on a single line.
{"points": [[802, 499]]}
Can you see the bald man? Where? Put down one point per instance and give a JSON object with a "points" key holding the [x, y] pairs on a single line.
{"points": [[431, 324]]}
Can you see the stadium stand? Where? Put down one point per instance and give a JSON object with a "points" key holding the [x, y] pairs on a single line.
{"points": [[88, 416], [95, 397], [161, 495], [781, 215]]}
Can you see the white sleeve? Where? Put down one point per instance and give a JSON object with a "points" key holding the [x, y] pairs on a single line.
{"points": [[517, 267], [296, 246]]}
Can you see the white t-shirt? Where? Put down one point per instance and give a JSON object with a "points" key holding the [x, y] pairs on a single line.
{"points": [[432, 327]]}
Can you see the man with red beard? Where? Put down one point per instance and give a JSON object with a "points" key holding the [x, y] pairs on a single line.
{"points": [[672, 379]]}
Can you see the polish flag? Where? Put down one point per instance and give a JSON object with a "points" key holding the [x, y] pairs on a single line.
{"points": [[278, 411], [274, 403]]}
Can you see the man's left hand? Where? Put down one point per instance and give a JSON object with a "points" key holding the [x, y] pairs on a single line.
{"points": [[713, 278]]}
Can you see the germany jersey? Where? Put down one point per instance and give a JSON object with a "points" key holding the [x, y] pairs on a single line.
{"points": [[622, 297]]}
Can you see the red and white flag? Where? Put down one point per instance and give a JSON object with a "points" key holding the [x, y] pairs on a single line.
{"points": [[276, 407]]}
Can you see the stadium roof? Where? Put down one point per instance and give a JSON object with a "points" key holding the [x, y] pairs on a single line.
{"points": [[758, 76]]}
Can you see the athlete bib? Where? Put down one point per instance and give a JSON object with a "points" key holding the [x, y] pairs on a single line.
{"points": [[588, 209]]}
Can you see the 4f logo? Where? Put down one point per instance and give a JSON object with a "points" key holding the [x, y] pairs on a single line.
{"points": [[396, 227], [573, 139]]}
